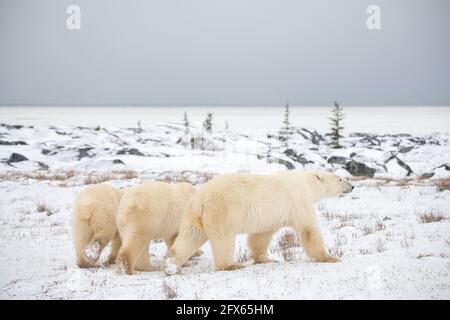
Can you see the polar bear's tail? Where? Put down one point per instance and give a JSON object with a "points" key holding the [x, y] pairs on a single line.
{"points": [[190, 237]]}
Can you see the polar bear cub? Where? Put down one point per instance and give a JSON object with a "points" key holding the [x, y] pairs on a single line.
{"points": [[147, 212], [259, 205], [94, 223]]}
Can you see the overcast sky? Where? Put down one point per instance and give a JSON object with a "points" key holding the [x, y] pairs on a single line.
{"points": [[224, 52]]}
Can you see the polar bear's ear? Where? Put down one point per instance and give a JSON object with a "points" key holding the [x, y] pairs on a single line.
{"points": [[319, 178]]}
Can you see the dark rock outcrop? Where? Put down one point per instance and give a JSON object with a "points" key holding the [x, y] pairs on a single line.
{"points": [[84, 152], [427, 175], [401, 163], [130, 151], [118, 161], [405, 149], [337, 160], [42, 166], [359, 169], [289, 165], [292, 154], [16, 157], [12, 143]]}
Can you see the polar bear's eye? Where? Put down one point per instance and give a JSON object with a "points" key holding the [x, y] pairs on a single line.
{"points": [[340, 179]]}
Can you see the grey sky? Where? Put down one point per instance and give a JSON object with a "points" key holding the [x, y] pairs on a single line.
{"points": [[224, 52]]}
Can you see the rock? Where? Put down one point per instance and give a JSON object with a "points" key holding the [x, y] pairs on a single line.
{"points": [[12, 143], [359, 169], [337, 160], [42, 165], [45, 151], [353, 154], [368, 138], [400, 163], [303, 160], [286, 163], [445, 166], [16, 157], [84, 152], [372, 141], [404, 166], [315, 136], [118, 161], [9, 127], [405, 149], [427, 175], [417, 140], [358, 134], [132, 151], [63, 133], [292, 154]]}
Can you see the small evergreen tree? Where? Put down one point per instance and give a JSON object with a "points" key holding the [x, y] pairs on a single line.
{"points": [[186, 124], [207, 124], [269, 148], [286, 129], [336, 118]]}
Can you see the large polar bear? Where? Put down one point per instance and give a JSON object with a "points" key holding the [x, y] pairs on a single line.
{"points": [[258, 205], [147, 212], [94, 223]]}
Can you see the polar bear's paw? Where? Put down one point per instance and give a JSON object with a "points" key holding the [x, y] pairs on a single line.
{"points": [[235, 266], [92, 251], [331, 259], [111, 260], [264, 260], [123, 265], [171, 267]]}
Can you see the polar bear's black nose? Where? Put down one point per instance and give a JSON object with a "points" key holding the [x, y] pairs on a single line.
{"points": [[353, 187]]}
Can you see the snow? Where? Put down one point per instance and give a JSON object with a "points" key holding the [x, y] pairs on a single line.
{"points": [[92, 251], [170, 266], [388, 249]]}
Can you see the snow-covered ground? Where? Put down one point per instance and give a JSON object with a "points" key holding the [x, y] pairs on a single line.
{"points": [[387, 252], [392, 232]]}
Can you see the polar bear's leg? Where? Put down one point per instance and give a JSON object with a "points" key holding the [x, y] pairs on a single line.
{"points": [[258, 244], [189, 240], [132, 247], [82, 235], [116, 242], [313, 243], [170, 240], [96, 245], [223, 251], [143, 262]]}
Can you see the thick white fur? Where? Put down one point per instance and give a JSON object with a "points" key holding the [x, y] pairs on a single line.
{"points": [[148, 212], [94, 223], [258, 205]]}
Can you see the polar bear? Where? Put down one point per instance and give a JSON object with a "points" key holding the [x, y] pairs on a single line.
{"points": [[147, 212], [259, 205], [94, 223]]}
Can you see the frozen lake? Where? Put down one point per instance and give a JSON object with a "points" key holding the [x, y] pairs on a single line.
{"points": [[363, 119]]}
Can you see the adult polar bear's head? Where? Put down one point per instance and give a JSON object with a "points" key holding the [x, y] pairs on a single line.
{"points": [[332, 184]]}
